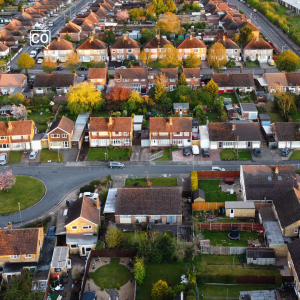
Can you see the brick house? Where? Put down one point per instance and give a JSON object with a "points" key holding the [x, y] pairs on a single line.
{"points": [[60, 134], [58, 49], [123, 48], [293, 258], [72, 30], [156, 46], [181, 108], [249, 111], [282, 82], [148, 205], [92, 50], [192, 45], [172, 78], [287, 135], [116, 131], [232, 48], [98, 76], [9, 82], [193, 77], [16, 135], [164, 132]]}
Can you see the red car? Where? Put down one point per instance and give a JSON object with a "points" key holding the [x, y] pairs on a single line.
{"points": [[137, 67], [150, 69], [195, 137]]}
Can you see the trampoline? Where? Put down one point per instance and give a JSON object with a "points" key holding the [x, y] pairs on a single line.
{"points": [[234, 234]]}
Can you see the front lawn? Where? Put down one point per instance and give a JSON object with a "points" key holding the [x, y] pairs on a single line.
{"points": [[232, 155], [212, 191], [108, 276], [295, 155], [50, 155], [15, 156], [26, 191], [154, 181], [166, 157], [251, 64], [96, 154]]}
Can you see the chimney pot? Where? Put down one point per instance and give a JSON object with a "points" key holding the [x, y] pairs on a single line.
{"points": [[9, 225], [191, 37], [233, 126], [110, 121], [170, 121], [276, 170], [92, 38], [58, 39]]}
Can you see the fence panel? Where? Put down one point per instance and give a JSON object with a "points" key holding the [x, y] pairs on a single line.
{"points": [[218, 174], [227, 226], [207, 205], [252, 279], [237, 250]]}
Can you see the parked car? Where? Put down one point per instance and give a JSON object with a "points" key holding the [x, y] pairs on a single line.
{"points": [[3, 159], [285, 151], [150, 69], [248, 5], [115, 164], [195, 150], [83, 69], [254, 10], [40, 60], [205, 152], [59, 68], [186, 152], [33, 53], [257, 152], [33, 154], [271, 62], [31, 79], [122, 67], [217, 169], [51, 231], [92, 196], [195, 137], [69, 202]]}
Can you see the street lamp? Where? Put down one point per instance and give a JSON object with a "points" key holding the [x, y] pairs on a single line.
{"points": [[105, 156], [193, 161], [58, 155], [20, 214]]}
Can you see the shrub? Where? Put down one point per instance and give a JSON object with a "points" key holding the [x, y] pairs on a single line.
{"points": [[194, 180], [102, 287], [241, 11], [118, 286], [129, 153], [110, 147]]}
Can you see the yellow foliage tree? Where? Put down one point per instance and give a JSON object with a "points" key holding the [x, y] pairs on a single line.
{"points": [[73, 61], [193, 61], [25, 62], [217, 56], [49, 66], [169, 57], [169, 23], [3, 65], [145, 57]]}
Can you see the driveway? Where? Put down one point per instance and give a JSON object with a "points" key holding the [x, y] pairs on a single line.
{"points": [[266, 154], [267, 66], [25, 157], [69, 155], [276, 153], [178, 156]]}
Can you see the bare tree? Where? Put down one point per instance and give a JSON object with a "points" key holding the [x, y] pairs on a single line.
{"points": [[7, 180], [19, 112]]}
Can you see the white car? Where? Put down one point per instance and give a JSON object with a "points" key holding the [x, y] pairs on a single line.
{"points": [[195, 150], [217, 169], [3, 159], [254, 10], [123, 67], [33, 154], [33, 53], [92, 196], [40, 60]]}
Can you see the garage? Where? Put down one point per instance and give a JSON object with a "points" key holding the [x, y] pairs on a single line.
{"points": [[204, 137], [281, 145], [213, 145], [229, 90], [221, 91], [296, 144], [145, 143]]}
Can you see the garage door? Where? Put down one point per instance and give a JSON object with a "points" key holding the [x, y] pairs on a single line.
{"points": [[296, 144], [213, 145], [281, 145], [229, 90], [221, 91], [204, 144], [145, 143]]}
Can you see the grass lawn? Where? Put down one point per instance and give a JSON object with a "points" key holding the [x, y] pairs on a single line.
{"points": [[244, 155], [213, 116], [220, 238], [155, 181], [15, 156], [26, 191], [96, 154], [51, 155], [103, 114], [166, 157], [296, 116], [110, 275], [276, 117], [295, 155], [42, 128], [230, 221], [46, 116], [154, 64], [212, 191], [230, 95], [251, 64]]}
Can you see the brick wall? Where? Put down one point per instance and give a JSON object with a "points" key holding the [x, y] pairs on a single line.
{"points": [[79, 223], [280, 250], [290, 230]]}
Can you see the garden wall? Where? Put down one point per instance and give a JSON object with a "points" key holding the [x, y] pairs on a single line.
{"points": [[207, 205], [227, 226], [218, 174]]}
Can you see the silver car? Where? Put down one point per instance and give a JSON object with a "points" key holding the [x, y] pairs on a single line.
{"points": [[33, 154], [116, 164], [3, 159]]}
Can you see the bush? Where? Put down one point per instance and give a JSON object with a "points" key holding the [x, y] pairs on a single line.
{"points": [[194, 180], [129, 153], [118, 286], [241, 11], [110, 147], [213, 278], [102, 287]]}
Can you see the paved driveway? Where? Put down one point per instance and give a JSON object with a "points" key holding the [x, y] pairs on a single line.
{"points": [[69, 155], [25, 157], [178, 156]]}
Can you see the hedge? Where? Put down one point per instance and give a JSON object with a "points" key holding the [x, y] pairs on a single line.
{"points": [[215, 278], [194, 180]]}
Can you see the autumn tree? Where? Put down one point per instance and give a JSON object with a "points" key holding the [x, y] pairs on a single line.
{"points": [[7, 180], [109, 37], [25, 62], [196, 6], [236, 37], [169, 23], [72, 62], [212, 89], [169, 57], [3, 65], [159, 6], [49, 66], [161, 291], [170, 6], [134, 101], [150, 10], [288, 61], [217, 57], [159, 88], [145, 57], [19, 112], [84, 97], [136, 13], [122, 16], [220, 104], [182, 79], [285, 102], [193, 61], [116, 96], [246, 34], [147, 35], [139, 271], [113, 237]]}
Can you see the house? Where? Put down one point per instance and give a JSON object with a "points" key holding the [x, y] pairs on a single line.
{"points": [[193, 77], [9, 82], [6, 110], [124, 48], [229, 82], [72, 30], [239, 209], [234, 135], [281, 82], [165, 132], [133, 78], [148, 205], [61, 83], [116, 131], [287, 135], [156, 46], [294, 264], [92, 50], [192, 45], [171, 78], [60, 134], [256, 49], [16, 135], [233, 51], [60, 261], [248, 111], [81, 225], [4, 50], [181, 108], [260, 256], [98, 76], [263, 182], [58, 49]]}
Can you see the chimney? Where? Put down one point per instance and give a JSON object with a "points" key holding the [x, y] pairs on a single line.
{"points": [[124, 38], [70, 22], [170, 121], [92, 38], [276, 170], [191, 37], [233, 126], [256, 39], [9, 126], [98, 203], [110, 121], [9, 225], [58, 39], [224, 38], [22, 10]]}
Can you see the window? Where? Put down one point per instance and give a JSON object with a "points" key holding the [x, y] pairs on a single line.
{"points": [[163, 133], [150, 77], [125, 80], [296, 230], [55, 135], [129, 51], [118, 80], [140, 216], [143, 79], [28, 256], [125, 217], [120, 51], [93, 80], [64, 135], [188, 80], [94, 133], [126, 133], [172, 80], [103, 133], [3, 137], [16, 137], [85, 227], [135, 79], [195, 50], [113, 51], [14, 256], [74, 227], [74, 246], [155, 217], [186, 134], [177, 134]]}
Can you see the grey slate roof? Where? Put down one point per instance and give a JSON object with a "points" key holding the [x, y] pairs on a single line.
{"points": [[181, 105], [239, 205], [198, 193], [293, 248], [248, 107], [287, 131]]}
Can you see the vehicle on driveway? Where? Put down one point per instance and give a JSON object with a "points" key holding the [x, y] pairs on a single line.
{"points": [[83, 69], [31, 79], [195, 150], [195, 137], [116, 164], [59, 68], [257, 152], [205, 152], [3, 159], [217, 169], [186, 152], [69, 202], [271, 62], [33, 154], [122, 67], [40, 60], [285, 152], [92, 196], [51, 231]]}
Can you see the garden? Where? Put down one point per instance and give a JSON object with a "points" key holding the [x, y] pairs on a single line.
{"points": [[111, 153], [15, 156], [51, 155], [154, 182], [235, 154]]}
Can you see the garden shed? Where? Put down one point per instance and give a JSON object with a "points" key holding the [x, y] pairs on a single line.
{"points": [[198, 196], [240, 209], [260, 256]]}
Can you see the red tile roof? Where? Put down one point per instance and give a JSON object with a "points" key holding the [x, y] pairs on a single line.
{"points": [[125, 43], [190, 43], [164, 125], [118, 124]]}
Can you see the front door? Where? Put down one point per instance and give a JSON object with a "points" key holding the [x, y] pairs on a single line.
{"points": [[83, 252], [231, 213], [288, 144]]}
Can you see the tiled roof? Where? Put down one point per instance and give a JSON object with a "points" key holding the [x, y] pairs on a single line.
{"points": [[276, 79], [71, 28], [64, 123], [163, 125], [92, 43], [58, 80], [125, 43], [97, 73], [252, 26], [119, 124], [60, 44], [244, 132], [3, 47], [256, 44], [87, 25], [3, 129], [171, 73], [191, 72], [293, 79], [93, 17], [190, 43], [131, 73], [20, 127], [149, 201], [157, 42], [295, 255], [234, 80], [19, 241], [286, 131], [228, 43]]}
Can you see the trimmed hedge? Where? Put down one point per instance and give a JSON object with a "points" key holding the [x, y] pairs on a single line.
{"points": [[214, 278], [194, 180]]}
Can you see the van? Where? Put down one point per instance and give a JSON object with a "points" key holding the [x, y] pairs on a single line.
{"points": [[271, 62]]}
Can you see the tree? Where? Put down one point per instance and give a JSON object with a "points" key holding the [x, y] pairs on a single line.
{"points": [[122, 16], [158, 90], [147, 35], [134, 99], [200, 114], [285, 102], [169, 23], [159, 6], [193, 61], [139, 271], [182, 79], [67, 37], [170, 6], [169, 57], [109, 37], [200, 96], [113, 237], [84, 97], [16, 99], [161, 291], [7, 180], [3, 65], [183, 93], [288, 61], [220, 104], [212, 89], [72, 62], [116, 97], [217, 57], [246, 34], [25, 62], [19, 112], [150, 10], [236, 37], [145, 57], [49, 66], [196, 6], [136, 13]]}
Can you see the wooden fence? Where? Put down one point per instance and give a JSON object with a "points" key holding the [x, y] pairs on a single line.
{"points": [[252, 279], [221, 250], [227, 226], [207, 205], [218, 174]]}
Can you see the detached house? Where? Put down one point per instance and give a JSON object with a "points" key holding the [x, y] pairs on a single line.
{"points": [[116, 131], [232, 49], [156, 46], [58, 49], [287, 135], [10, 82], [193, 77], [60, 134], [98, 76], [123, 48], [170, 131], [92, 50], [72, 30], [192, 45]]}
